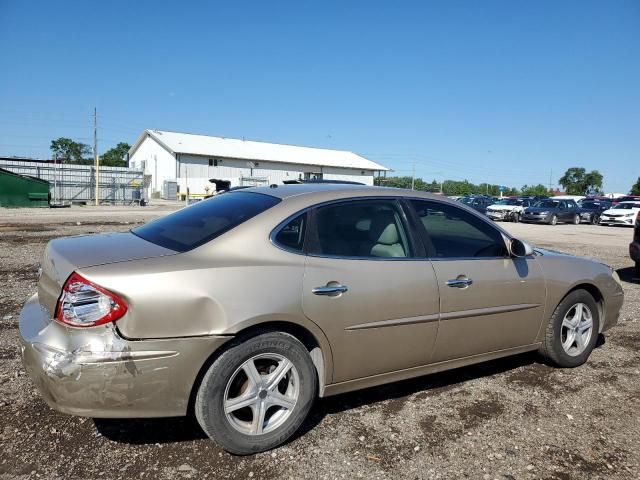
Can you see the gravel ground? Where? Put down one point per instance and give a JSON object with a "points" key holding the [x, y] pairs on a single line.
{"points": [[507, 419]]}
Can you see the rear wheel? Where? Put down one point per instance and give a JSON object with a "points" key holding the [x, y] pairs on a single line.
{"points": [[516, 217], [257, 394], [554, 220], [572, 331], [595, 219]]}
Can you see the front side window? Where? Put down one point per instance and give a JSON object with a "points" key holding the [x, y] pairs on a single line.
{"points": [[364, 228], [455, 233], [197, 224]]}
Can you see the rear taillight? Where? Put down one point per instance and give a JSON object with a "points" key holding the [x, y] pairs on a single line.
{"points": [[85, 304]]}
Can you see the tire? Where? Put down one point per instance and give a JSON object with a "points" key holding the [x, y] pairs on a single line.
{"points": [[638, 269], [236, 431], [516, 217], [576, 219], [554, 220], [595, 219], [557, 331]]}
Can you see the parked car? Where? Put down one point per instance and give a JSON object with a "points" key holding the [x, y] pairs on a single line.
{"points": [[247, 306], [634, 246], [624, 213], [478, 203], [552, 211], [508, 209], [590, 210], [626, 198]]}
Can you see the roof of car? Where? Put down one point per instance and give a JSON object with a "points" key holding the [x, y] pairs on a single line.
{"points": [[327, 191]]}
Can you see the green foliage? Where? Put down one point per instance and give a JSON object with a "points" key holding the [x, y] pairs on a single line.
{"points": [[577, 181], [449, 187], [114, 157], [635, 189], [69, 151], [532, 190]]}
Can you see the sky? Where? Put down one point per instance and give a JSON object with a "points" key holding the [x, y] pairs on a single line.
{"points": [[509, 92]]}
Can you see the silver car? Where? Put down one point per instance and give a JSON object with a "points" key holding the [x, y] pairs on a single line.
{"points": [[245, 307]]}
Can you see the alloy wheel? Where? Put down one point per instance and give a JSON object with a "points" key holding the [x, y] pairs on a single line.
{"points": [[577, 328], [261, 394]]}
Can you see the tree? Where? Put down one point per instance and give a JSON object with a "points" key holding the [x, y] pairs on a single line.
{"points": [[115, 157], [533, 190], [576, 181], [69, 151], [635, 189]]}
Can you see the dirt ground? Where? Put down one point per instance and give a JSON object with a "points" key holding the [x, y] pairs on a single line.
{"points": [[509, 419]]}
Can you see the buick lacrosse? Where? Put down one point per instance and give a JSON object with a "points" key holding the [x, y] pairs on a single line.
{"points": [[245, 307]]}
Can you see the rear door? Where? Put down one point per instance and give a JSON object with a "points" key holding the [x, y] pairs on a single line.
{"points": [[488, 300], [365, 286]]}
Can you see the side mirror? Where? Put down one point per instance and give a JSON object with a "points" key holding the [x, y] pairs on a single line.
{"points": [[520, 249]]}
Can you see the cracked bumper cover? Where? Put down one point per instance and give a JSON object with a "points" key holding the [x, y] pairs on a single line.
{"points": [[94, 372]]}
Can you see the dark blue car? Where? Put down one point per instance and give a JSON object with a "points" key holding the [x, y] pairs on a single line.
{"points": [[590, 210]]}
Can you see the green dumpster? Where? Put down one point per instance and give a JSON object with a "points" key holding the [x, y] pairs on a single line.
{"points": [[22, 191]]}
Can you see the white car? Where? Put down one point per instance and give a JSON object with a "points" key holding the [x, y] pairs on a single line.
{"points": [[624, 213], [508, 209]]}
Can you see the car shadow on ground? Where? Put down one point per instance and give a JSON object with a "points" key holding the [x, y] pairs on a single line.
{"points": [[628, 275], [180, 429]]}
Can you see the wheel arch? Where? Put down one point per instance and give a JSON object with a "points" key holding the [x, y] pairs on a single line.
{"points": [[598, 297], [319, 351]]}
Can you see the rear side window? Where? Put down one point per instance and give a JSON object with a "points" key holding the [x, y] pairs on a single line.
{"points": [[291, 236], [197, 224], [455, 233]]}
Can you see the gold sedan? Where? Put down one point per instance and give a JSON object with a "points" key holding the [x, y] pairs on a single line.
{"points": [[246, 307]]}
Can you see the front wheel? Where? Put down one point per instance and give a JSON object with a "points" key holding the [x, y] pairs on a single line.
{"points": [[576, 219], [257, 393], [554, 220], [572, 330], [595, 219], [638, 269], [516, 217]]}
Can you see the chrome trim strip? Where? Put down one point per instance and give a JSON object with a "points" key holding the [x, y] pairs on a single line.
{"points": [[394, 323], [478, 312]]}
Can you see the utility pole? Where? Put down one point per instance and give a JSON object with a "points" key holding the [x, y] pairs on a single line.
{"points": [[95, 153], [413, 175]]}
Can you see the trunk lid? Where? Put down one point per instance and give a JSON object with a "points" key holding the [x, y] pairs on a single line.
{"points": [[64, 255]]}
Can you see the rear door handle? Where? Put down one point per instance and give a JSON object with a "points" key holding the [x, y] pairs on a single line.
{"points": [[460, 282], [330, 290]]}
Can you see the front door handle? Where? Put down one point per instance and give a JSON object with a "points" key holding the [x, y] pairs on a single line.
{"points": [[330, 290], [460, 282]]}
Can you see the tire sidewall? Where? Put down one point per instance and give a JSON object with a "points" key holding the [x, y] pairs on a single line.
{"points": [[554, 219], [561, 357], [209, 408]]}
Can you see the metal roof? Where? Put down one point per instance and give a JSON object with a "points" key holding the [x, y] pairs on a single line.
{"points": [[204, 145]]}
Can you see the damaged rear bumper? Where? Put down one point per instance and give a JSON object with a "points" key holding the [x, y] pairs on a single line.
{"points": [[94, 372]]}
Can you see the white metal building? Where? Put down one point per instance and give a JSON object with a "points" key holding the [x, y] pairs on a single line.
{"points": [[192, 160]]}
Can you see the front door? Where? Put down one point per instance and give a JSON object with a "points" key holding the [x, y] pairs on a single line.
{"points": [[488, 300], [376, 303]]}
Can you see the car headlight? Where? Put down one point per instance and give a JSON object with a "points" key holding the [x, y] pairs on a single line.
{"points": [[544, 213]]}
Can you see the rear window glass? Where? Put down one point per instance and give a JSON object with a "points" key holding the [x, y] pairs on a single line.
{"points": [[197, 224]]}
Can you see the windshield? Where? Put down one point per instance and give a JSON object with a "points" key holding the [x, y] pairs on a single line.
{"points": [[197, 224], [547, 204], [509, 201], [627, 206], [591, 204], [467, 200]]}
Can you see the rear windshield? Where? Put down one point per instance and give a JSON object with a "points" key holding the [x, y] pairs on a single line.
{"points": [[199, 223]]}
